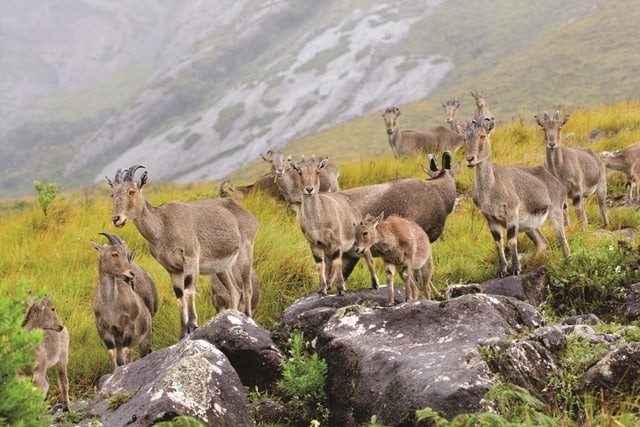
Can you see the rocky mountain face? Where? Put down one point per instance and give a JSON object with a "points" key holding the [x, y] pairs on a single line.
{"points": [[228, 80], [284, 75]]}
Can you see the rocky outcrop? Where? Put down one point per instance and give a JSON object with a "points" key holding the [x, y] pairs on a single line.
{"points": [[616, 373], [191, 378], [247, 345], [530, 286], [384, 363], [388, 362]]}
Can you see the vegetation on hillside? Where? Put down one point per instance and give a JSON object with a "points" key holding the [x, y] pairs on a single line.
{"points": [[52, 253]]}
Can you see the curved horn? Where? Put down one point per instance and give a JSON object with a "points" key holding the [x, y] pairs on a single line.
{"points": [[131, 255], [131, 172], [118, 177], [433, 163], [446, 159], [113, 239]]}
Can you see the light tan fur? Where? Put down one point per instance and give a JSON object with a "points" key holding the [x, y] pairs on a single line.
{"points": [[328, 222], [451, 108], [516, 198], [409, 142], [480, 100], [142, 283], [265, 184], [52, 351], [220, 296], [428, 202], [627, 161], [188, 239], [403, 246], [122, 318], [581, 170], [286, 178]]}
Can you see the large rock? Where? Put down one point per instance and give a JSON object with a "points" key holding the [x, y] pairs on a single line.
{"points": [[191, 378], [528, 361], [388, 362], [247, 345], [631, 307], [309, 313], [530, 287], [616, 373]]}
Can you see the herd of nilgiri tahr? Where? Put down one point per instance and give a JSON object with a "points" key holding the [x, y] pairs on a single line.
{"points": [[395, 220]]}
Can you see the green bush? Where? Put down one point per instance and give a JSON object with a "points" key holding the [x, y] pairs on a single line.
{"points": [[302, 385], [303, 375], [46, 194], [20, 403]]}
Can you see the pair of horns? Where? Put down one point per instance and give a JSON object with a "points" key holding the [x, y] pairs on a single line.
{"points": [[117, 241], [126, 174]]}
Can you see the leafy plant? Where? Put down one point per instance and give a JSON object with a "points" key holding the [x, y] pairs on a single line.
{"points": [[303, 375], [20, 403], [511, 406], [47, 192], [302, 382]]}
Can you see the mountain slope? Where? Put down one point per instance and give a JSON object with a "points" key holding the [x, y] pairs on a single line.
{"points": [[295, 84], [210, 87]]}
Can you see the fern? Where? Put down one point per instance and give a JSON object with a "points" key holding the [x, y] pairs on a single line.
{"points": [[303, 376]]}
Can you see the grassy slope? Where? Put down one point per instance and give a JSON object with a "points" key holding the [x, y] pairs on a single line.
{"points": [[53, 255]]}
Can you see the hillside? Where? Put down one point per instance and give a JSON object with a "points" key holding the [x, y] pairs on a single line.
{"points": [[200, 94]]}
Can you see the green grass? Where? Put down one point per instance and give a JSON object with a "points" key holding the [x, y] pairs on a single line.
{"points": [[52, 255]]}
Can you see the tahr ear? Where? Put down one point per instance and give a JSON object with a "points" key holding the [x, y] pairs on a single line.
{"points": [[539, 121], [488, 123], [378, 219], [109, 181], [143, 179], [96, 246]]}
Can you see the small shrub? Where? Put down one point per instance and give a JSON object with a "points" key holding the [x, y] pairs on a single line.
{"points": [[302, 384], [303, 375], [46, 194], [20, 403]]}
